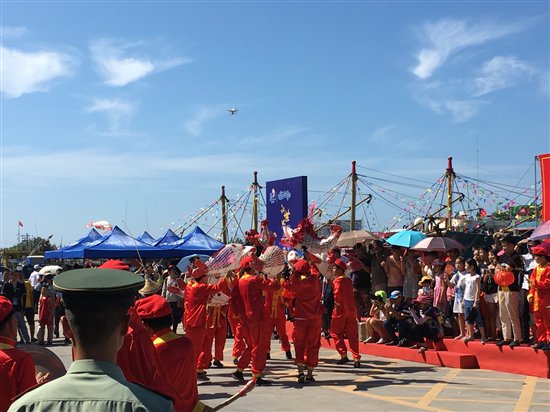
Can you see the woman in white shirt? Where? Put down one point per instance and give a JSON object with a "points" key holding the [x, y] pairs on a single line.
{"points": [[471, 283]]}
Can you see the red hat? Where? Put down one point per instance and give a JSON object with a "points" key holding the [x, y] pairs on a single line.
{"points": [[341, 264], [115, 264], [200, 269], [424, 298], [543, 249], [302, 266], [153, 307], [251, 262], [5, 307]]}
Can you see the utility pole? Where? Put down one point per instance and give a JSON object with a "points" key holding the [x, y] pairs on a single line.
{"points": [[450, 175], [224, 215]]}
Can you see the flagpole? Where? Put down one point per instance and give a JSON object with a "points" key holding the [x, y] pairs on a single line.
{"points": [[18, 233]]}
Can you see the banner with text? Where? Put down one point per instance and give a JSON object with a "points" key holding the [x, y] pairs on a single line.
{"points": [[286, 201], [544, 160]]}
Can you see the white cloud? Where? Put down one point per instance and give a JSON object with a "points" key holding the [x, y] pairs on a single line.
{"points": [[462, 110], [12, 32], [382, 134], [447, 36], [196, 123], [501, 72], [119, 69], [28, 72], [119, 113]]}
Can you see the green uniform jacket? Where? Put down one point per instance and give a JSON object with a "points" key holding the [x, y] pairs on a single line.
{"points": [[92, 385]]}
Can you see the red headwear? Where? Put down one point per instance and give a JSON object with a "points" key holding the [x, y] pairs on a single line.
{"points": [[542, 249], [424, 299], [251, 262], [153, 307], [341, 264], [115, 264], [302, 266], [5, 307], [200, 269]]}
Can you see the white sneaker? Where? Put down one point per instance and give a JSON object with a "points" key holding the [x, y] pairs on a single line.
{"points": [[381, 341], [368, 340]]}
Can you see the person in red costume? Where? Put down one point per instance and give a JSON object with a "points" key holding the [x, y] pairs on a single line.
{"points": [[308, 311], [274, 315], [175, 351], [250, 294], [197, 293], [16, 367], [233, 316], [539, 294], [216, 328], [344, 320]]}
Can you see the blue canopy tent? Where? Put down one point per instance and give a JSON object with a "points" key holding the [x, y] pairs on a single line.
{"points": [[196, 242], [168, 240], [145, 237], [118, 245], [92, 236]]}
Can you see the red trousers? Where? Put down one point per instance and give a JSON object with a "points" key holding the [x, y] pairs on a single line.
{"points": [[218, 333], [254, 337], [542, 322], [196, 335], [238, 343], [279, 324], [307, 341], [341, 326]]}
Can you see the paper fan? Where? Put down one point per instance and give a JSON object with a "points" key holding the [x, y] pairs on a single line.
{"points": [[274, 261]]}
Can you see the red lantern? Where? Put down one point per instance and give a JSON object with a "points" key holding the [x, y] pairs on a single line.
{"points": [[449, 269], [504, 278]]}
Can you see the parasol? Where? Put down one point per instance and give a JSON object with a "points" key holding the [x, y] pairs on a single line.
{"points": [[51, 270], [406, 238], [184, 262], [351, 238], [437, 244], [542, 232]]}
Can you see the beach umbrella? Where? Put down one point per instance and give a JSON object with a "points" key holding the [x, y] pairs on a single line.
{"points": [[406, 238], [349, 239], [542, 232], [50, 270], [437, 244], [184, 262]]}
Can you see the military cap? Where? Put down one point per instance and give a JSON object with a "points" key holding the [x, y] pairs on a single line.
{"points": [[97, 282]]}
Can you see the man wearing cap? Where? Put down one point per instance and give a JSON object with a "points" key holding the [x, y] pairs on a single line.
{"points": [[16, 367], [539, 294], [396, 308], [250, 292], [308, 311], [175, 351], [94, 382], [197, 293], [344, 321]]}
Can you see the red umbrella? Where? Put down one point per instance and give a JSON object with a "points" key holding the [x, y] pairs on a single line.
{"points": [[542, 232], [437, 244]]}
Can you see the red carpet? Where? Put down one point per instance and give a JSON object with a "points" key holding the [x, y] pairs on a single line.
{"points": [[457, 354]]}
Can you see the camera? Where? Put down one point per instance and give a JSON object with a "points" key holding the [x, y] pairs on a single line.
{"points": [[376, 299]]}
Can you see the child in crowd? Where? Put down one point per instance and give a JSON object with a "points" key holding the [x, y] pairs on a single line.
{"points": [[490, 288], [472, 289], [440, 289], [375, 324], [426, 288], [458, 286]]}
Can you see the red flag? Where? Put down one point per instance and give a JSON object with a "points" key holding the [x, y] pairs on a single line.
{"points": [[20, 224], [544, 161], [482, 212]]}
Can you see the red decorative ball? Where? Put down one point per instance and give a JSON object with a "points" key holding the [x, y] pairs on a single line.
{"points": [[504, 278]]}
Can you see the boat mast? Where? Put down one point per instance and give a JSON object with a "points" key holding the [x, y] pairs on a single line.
{"points": [[536, 194], [450, 175], [224, 215], [255, 187], [353, 195]]}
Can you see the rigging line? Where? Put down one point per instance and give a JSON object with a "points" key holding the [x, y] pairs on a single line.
{"points": [[468, 208], [391, 174], [365, 182], [344, 197], [393, 182], [493, 184], [387, 201], [334, 191], [337, 186], [365, 209], [441, 184]]}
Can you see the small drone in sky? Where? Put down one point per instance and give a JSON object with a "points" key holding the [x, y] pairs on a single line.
{"points": [[233, 111]]}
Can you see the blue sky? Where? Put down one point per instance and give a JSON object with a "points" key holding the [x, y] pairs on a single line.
{"points": [[118, 111]]}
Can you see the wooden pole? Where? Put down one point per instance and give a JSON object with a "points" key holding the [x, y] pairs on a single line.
{"points": [[224, 216], [353, 195], [255, 204], [450, 174]]}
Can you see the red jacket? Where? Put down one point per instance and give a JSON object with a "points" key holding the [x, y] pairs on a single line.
{"points": [[344, 303], [196, 298], [176, 352], [307, 296], [16, 372], [274, 307], [539, 287], [251, 288]]}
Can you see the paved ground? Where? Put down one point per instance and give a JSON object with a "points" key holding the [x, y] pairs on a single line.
{"points": [[382, 384]]}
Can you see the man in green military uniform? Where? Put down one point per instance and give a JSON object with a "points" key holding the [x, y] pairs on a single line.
{"points": [[96, 304]]}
